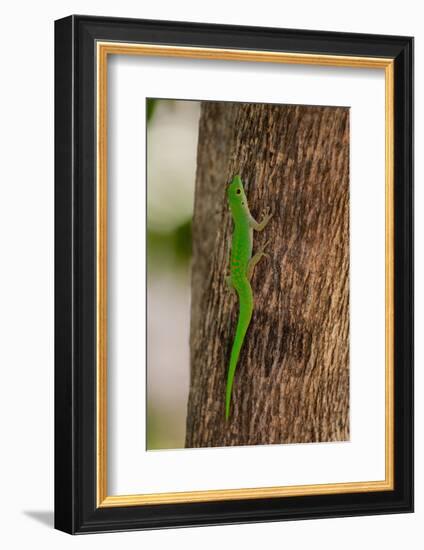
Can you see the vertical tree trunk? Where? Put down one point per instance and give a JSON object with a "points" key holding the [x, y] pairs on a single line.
{"points": [[292, 379]]}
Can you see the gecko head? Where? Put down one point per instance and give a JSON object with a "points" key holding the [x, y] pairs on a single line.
{"points": [[235, 193]]}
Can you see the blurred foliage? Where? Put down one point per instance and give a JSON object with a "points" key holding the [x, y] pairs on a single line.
{"points": [[183, 241], [153, 431], [170, 250], [167, 249], [171, 161], [165, 429], [151, 106]]}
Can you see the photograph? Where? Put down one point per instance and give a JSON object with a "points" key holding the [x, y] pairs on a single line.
{"points": [[247, 273]]}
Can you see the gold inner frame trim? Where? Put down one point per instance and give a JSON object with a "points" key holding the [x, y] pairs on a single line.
{"points": [[103, 50]]}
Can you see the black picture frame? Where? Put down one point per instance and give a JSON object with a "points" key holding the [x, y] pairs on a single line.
{"points": [[76, 509]]}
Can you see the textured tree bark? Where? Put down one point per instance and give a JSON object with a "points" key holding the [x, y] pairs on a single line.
{"points": [[292, 379]]}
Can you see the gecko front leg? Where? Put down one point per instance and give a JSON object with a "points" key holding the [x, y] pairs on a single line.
{"points": [[259, 226], [255, 259]]}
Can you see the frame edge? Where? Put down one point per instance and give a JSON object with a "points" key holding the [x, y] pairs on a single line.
{"points": [[64, 448]]}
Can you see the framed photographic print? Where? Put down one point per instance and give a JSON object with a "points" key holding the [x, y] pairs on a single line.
{"points": [[234, 274]]}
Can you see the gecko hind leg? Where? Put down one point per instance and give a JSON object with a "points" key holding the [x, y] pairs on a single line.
{"points": [[229, 285]]}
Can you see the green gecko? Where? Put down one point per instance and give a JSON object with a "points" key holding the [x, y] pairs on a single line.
{"points": [[242, 264]]}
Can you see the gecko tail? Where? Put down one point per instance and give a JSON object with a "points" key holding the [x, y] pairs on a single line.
{"points": [[245, 315]]}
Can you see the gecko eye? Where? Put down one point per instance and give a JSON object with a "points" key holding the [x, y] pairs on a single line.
{"points": [[238, 191]]}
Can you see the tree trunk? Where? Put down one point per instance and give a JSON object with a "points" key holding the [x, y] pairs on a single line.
{"points": [[292, 380]]}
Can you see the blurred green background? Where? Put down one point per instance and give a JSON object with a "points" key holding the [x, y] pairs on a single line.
{"points": [[172, 131]]}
